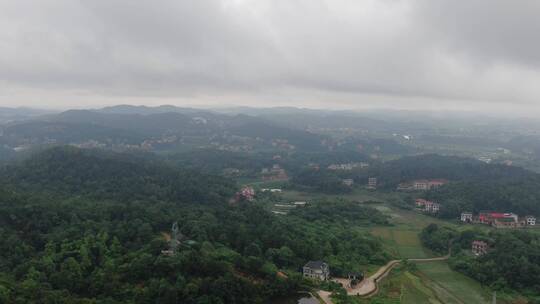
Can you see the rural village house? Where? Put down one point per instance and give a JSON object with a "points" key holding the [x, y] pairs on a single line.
{"points": [[372, 182], [479, 247], [427, 184], [246, 193], [427, 206], [467, 217], [530, 220], [317, 270]]}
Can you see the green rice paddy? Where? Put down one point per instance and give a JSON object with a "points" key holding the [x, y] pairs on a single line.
{"points": [[430, 282]]}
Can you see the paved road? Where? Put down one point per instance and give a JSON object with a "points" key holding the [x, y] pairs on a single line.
{"points": [[368, 286], [325, 296]]}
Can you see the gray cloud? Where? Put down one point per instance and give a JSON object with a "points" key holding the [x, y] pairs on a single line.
{"points": [[264, 52]]}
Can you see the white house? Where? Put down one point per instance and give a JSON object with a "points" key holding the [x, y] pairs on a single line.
{"points": [[317, 270], [466, 217]]}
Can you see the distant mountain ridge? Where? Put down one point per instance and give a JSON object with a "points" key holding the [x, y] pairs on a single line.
{"points": [[145, 110], [20, 113], [159, 126]]}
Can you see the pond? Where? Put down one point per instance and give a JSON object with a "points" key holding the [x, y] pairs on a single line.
{"points": [[300, 298]]}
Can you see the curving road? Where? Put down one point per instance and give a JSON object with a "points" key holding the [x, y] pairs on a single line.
{"points": [[368, 287]]}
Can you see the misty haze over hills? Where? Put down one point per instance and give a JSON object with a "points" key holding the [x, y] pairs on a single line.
{"points": [[269, 152], [170, 128]]}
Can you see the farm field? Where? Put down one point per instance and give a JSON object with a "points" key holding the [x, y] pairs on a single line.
{"points": [[430, 282], [451, 286], [402, 243]]}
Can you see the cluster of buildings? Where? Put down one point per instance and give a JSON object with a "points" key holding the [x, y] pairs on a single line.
{"points": [[348, 166], [498, 219], [422, 184], [427, 206], [273, 174]]}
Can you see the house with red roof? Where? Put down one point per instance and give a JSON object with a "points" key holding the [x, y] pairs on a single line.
{"points": [[427, 206], [427, 184]]}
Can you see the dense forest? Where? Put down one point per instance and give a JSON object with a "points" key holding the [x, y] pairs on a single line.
{"points": [[82, 226], [474, 185], [107, 175], [319, 180], [518, 195], [429, 166]]}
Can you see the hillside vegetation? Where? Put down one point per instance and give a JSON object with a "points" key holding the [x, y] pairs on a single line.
{"points": [[511, 264], [104, 175], [80, 226]]}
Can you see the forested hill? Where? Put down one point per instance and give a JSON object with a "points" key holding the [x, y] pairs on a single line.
{"points": [[156, 129], [474, 185], [104, 175], [452, 168], [81, 226], [520, 195]]}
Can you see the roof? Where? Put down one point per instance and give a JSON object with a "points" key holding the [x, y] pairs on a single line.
{"points": [[479, 242], [504, 219], [315, 264], [438, 181]]}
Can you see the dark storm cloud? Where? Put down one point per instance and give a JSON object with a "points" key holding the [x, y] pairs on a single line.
{"points": [[449, 52]]}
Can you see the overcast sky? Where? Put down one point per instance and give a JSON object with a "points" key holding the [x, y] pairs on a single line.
{"points": [[429, 54]]}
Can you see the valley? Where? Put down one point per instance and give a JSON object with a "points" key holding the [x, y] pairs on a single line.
{"points": [[252, 200]]}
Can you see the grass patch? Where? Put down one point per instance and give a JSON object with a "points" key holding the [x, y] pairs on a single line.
{"points": [[453, 287], [402, 243], [406, 238]]}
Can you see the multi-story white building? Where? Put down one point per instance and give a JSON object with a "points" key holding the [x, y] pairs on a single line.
{"points": [[317, 270], [372, 182], [466, 217]]}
